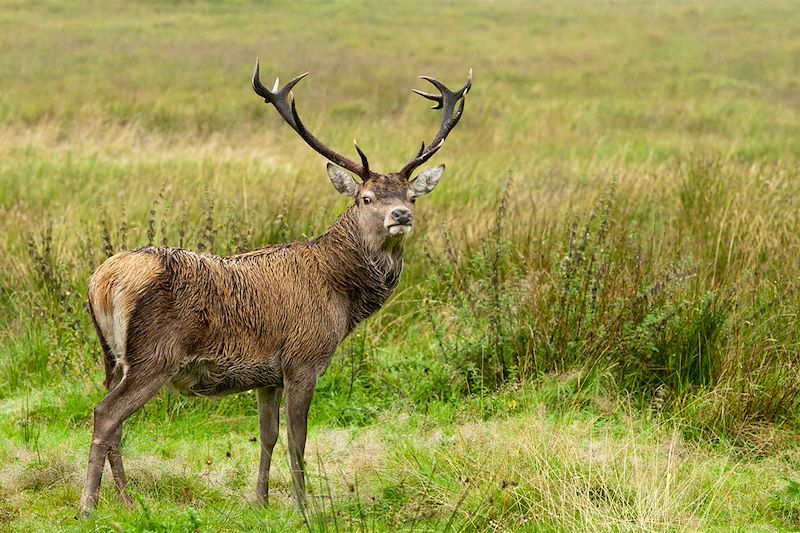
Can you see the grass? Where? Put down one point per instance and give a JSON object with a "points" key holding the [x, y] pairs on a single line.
{"points": [[560, 468], [597, 325]]}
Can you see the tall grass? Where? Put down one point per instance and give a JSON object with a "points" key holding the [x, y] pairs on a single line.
{"points": [[668, 331], [598, 299]]}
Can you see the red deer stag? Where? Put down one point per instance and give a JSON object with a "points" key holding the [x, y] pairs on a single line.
{"points": [[268, 320]]}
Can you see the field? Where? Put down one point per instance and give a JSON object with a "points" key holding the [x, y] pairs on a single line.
{"points": [[597, 325]]}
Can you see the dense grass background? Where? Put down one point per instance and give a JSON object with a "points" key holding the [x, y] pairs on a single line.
{"points": [[597, 325]]}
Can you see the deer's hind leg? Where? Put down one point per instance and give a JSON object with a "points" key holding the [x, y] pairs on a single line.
{"points": [[117, 470], [136, 387], [114, 375]]}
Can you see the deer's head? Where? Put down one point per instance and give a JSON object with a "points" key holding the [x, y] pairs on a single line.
{"points": [[384, 203]]}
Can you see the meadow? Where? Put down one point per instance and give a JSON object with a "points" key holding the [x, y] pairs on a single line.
{"points": [[597, 325]]}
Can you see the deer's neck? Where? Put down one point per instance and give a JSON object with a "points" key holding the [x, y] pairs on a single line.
{"points": [[364, 274]]}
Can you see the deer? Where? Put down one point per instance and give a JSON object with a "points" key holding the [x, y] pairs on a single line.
{"points": [[268, 320]]}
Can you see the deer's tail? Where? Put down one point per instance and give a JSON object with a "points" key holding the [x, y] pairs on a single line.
{"points": [[109, 360]]}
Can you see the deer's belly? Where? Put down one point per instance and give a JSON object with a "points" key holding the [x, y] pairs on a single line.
{"points": [[202, 377]]}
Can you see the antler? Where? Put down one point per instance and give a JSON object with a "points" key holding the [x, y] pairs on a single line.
{"points": [[446, 101], [283, 100]]}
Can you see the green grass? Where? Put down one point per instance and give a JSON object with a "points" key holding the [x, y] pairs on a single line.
{"points": [[597, 325], [600, 467]]}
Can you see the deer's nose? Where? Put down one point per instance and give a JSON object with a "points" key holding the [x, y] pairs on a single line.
{"points": [[402, 215]]}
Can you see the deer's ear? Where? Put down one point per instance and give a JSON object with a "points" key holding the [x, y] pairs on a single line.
{"points": [[426, 181], [342, 180]]}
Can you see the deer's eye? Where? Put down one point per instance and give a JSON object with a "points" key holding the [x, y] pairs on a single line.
{"points": [[367, 200], [413, 199]]}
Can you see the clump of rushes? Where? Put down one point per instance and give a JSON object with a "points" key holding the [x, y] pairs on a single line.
{"points": [[661, 331]]}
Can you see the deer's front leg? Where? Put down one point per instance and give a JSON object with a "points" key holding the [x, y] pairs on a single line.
{"points": [[269, 401], [298, 400]]}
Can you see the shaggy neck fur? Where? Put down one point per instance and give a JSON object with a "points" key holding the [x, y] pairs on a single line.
{"points": [[366, 274]]}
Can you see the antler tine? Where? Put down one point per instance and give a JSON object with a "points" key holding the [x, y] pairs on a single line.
{"points": [[420, 159], [284, 103], [446, 101], [277, 97], [364, 161], [435, 97]]}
